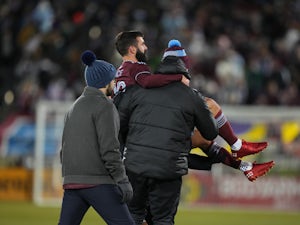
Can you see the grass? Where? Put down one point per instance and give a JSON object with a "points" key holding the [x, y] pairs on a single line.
{"points": [[25, 213]]}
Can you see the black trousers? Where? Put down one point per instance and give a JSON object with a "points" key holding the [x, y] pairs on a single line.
{"points": [[161, 197]]}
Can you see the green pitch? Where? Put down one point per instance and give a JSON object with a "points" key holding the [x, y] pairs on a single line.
{"points": [[16, 213]]}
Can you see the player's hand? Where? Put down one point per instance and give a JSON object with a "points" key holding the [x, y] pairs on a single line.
{"points": [[185, 81], [126, 190]]}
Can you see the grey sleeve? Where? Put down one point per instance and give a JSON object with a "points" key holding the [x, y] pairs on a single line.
{"points": [[108, 126]]}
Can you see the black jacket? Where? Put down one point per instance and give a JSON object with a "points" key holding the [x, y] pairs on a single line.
{"points": [[158, 123]]}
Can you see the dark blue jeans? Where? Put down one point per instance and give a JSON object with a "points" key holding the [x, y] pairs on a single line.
{"points": [[104, 198]]}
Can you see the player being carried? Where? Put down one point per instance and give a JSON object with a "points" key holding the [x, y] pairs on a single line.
{"points": [[134, 70]]}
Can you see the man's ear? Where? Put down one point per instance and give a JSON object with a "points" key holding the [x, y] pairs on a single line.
{"points": [[132, 50]]}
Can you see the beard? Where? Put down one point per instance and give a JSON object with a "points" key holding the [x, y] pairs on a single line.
{"points": [[140, 56], [109, 90]]}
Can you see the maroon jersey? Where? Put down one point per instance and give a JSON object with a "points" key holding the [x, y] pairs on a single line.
{"points": [[130, 73]]}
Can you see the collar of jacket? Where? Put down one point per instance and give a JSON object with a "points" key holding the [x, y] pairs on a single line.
{"points": [[92, 91]]}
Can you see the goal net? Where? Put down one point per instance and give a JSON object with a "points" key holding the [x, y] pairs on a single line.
{"points": [[47, 181]]}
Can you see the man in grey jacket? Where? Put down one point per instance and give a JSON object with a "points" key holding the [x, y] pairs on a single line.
{"points": [[92, 169]]}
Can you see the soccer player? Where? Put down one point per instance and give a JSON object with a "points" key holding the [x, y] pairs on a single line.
{"points": [[92, 169], [132, 48]]}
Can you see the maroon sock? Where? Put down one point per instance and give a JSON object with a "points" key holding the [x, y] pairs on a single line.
{"points": [[220, 154], [225, 129]]}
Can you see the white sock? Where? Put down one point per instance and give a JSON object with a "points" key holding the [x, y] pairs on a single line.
{"points": [[245, 166], [237, 145]]}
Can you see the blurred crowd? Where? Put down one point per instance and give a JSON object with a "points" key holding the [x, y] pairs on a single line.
{"points": [[242, 52]]}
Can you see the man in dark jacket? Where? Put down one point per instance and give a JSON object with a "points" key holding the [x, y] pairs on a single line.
{"points": [[158, 124], [92, 169]]}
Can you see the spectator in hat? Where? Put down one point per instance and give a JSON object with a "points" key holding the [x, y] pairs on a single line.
{"points": [[92, 169]]}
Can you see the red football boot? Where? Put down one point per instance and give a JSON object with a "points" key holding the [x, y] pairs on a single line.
{"points": [[249, 148], [258, 170]]}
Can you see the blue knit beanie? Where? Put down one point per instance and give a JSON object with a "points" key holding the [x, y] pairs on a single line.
{"points": [[97, 73]]}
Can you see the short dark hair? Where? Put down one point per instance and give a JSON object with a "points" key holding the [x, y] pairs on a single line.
{"points": [[125, 39]]}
